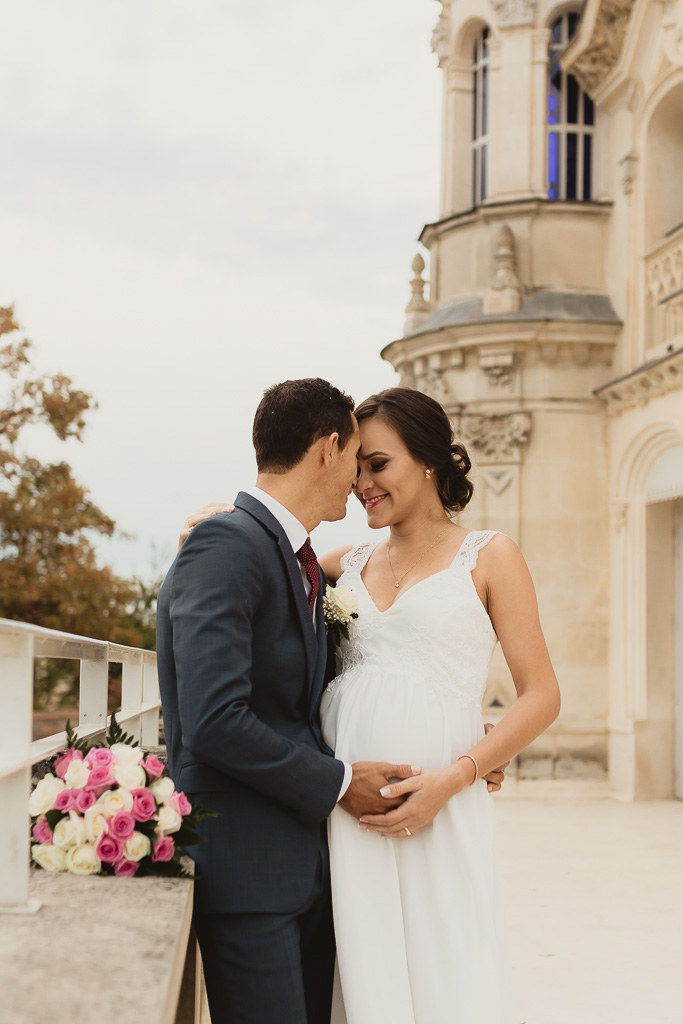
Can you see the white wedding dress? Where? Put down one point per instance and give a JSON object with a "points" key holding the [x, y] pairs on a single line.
{"points": [[419, 922]]}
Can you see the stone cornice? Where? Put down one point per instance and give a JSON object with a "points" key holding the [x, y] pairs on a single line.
{"points": [[596, 49], [496, 211], [642, 385]]}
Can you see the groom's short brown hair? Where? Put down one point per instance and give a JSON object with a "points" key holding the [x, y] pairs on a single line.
{"points": [[294, 414]]}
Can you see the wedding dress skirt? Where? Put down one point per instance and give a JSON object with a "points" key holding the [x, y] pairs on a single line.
{"points": [[419, 922]]}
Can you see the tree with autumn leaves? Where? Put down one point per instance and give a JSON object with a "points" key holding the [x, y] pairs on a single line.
{"points": [[49, 574]]}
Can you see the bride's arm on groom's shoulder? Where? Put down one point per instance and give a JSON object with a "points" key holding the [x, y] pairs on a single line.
{"points": [[330, 563], [205, 512]]}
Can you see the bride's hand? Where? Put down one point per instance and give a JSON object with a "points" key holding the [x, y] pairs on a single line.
{"points": [[205, 512], [426, 795]]}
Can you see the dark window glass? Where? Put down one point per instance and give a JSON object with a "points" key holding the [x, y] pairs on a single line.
{"points": [[588, 110], [587, 165], [474, 177], [571, 164], [483, 172], [572, 100], [484, 104], [485, 42], [572, 22], [554, 156], [474, 105], [557, 31]]}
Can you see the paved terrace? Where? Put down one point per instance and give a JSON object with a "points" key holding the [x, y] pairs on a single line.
{"points": [[595, 905]]}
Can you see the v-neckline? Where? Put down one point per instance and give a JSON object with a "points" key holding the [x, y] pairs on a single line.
{"points": [[393, 604]]}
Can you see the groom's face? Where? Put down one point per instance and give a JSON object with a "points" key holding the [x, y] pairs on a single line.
{"points": [[342, 475]]}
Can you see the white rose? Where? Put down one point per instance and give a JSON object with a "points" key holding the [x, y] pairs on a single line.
{"points": [[82, 860], [114, 800], [43, 796], [168, 820], [95, 823], [345, 600], [69, 831], [137, 847], [163, 789], [125, 754], [50, 857], [77, 774], [130, 776]]}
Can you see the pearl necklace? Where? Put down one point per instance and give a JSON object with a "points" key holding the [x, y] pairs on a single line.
{"points": [[399, 581]]}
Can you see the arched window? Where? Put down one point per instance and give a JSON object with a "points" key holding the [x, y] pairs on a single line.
{"points": [[571, 116], [480, 119]]}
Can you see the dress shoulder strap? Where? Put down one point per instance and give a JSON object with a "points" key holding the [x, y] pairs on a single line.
{"points": [[471, 546], [356, 559]]}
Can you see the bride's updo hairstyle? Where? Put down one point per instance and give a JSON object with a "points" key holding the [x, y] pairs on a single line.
{"points": [[426, 431]]}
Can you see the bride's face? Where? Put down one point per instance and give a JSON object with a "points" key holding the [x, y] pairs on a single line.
{"points": [[391, 483]]}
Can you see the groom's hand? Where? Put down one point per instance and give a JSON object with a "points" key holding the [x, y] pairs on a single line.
{"points": [[363, 795]]}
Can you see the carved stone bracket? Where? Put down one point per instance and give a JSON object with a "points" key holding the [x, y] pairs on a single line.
{"points": [[601, 54], [505, 293], [498, 438], [441, 38], [512, 13], [619, 510], [499, 368], [628, 176], [640, 388]]}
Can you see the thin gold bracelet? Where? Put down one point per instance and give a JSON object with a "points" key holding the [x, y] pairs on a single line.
{"points": [[476, 766]]}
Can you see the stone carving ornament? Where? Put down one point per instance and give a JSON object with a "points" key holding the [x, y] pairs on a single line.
{"points": [[498, 438], [441, 38], [595, 62], [512, 13]]}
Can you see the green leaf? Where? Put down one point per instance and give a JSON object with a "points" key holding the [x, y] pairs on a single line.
{"points": [[115, 733], [53, 816]]}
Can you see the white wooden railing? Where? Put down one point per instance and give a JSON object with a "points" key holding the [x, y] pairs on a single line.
{"points": [[20, 644]]}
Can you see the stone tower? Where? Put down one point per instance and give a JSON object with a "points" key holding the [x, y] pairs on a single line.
{"points": [[520, 331]]}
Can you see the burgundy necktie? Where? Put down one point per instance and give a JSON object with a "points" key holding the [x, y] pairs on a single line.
{"points": [[306, 556]]}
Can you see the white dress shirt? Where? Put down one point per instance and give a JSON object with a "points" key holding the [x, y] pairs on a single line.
{"points": [[297, 535]]}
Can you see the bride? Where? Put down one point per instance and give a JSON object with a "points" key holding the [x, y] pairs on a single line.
{"points": [[417, 907]]}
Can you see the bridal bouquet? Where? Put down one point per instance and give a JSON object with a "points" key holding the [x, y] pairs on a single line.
{"points": [[339, 607], [109, 810]]}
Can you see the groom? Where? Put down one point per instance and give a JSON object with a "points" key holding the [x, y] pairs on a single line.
{"points": [[242, 649]]}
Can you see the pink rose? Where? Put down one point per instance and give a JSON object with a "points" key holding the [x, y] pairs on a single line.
{"points": [[85, 799], [153, 766], [126, 868], [101, 756], [163, 849], [42, 832], [144, 804], [122, 825], [65, 800], [100, 778], [65, 760], [109, 849], [181, 804]]}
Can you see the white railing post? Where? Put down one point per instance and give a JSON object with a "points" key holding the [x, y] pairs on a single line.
{"points": [[150, 696], [94, 691], [131, 693], [16, 689]]}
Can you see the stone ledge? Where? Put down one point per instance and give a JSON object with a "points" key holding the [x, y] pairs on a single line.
{"points": [[100, 948]]}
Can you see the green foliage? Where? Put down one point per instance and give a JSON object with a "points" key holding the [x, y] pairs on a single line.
{"points": [[115, 733]]}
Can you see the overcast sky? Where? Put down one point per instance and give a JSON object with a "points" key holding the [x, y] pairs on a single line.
{"points": [[198, 199]]}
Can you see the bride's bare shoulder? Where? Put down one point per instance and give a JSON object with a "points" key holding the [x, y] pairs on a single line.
{"points": [[330, 563]]}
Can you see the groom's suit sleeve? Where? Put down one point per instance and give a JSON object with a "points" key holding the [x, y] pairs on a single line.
{"points": [[217, 588]]}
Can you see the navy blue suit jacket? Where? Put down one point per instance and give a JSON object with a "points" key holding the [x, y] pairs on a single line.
{"points": [[241, 672]]}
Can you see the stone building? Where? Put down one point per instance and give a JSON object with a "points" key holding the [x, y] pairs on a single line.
{"points": [[553, 334]]}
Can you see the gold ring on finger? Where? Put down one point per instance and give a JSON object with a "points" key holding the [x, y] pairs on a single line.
{"points": [[407, 831]]}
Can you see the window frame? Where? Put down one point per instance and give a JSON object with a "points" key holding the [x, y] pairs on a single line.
{"points": [[583, 129]]}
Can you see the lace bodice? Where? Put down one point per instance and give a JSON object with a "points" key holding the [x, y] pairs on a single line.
{"points": [[437, 632]]}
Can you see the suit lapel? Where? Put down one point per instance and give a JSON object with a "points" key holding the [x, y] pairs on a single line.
{"points": [[321, 637], [291, 562]]}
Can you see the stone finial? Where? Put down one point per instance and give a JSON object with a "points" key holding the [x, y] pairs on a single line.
{"points": [[505, 293], [418, 309]]}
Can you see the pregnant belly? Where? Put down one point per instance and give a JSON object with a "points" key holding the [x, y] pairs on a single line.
{"points": [[397, 719]]}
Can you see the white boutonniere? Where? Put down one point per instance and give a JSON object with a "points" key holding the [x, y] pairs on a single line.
{"points": [[339, 607]]}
